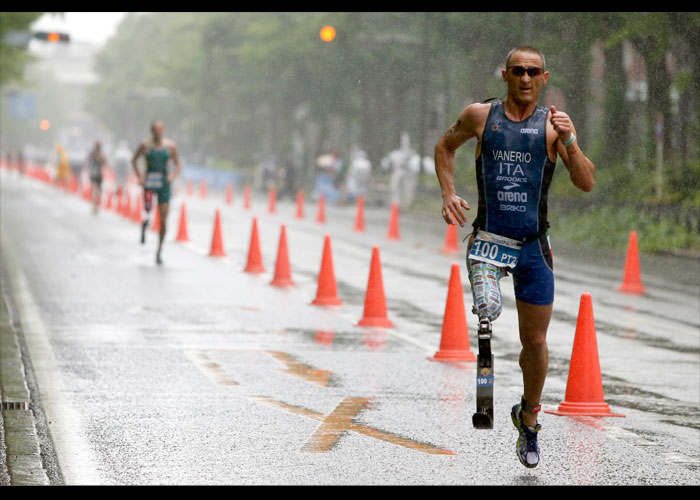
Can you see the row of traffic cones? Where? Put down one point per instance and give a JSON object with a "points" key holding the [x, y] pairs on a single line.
{"points": [[375, 310]]}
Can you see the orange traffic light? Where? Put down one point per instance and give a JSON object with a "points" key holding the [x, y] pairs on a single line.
{"points": [[327, 33], [51, 36]]}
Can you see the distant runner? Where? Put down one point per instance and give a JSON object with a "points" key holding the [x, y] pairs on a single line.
{"points": [[517, 146], [95, 161], [157, 179]]}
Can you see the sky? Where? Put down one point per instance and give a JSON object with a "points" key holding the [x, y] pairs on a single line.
{"points": [[95, 27]]}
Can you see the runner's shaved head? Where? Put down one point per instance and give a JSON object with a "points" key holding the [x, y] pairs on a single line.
{"points": [[529, 49]]}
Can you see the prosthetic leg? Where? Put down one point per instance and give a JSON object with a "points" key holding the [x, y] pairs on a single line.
{"points": [[483, 418], [147, 203], [487, 305]]}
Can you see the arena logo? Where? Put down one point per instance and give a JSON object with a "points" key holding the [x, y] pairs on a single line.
{"points": [[512, 196], [530, 131]]}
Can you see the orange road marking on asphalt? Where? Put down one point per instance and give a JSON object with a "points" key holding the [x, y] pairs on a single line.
{"points": [[212, 370], [298, 369], [293, 367], [340, 420]]}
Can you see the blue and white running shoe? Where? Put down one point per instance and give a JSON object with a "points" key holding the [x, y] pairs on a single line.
{"points": [[527, 449]]}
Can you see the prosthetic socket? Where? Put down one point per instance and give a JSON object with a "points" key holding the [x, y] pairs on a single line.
{"points": [[484, 279]]}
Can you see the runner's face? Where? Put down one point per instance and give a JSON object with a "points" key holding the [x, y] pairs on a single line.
{"points": [[524, 89], [157, 130]]}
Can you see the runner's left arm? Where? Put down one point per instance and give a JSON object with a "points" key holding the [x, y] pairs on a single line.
{"points": [[176, 159]]}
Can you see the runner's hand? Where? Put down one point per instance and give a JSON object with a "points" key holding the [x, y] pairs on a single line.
{"points": [[561, 123], [452, 210]]}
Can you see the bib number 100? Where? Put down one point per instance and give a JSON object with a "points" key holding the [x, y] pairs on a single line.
{"points": [[485, 249]]}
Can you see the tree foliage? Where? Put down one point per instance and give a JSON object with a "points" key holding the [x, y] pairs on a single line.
{"points": [[13, 59], [238, 85]]}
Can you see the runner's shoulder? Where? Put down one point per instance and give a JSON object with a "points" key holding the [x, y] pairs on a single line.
{"points": [[169, 143], [478, 111], [474, 116]]}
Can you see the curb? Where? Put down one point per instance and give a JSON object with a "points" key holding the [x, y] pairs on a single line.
{"points": [[20, 454]]}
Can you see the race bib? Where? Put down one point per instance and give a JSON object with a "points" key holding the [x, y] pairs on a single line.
{"points": [[154, 180], [495, 249]]}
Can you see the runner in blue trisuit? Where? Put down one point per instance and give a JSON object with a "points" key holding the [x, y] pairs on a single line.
{"points": [[517, 146]]}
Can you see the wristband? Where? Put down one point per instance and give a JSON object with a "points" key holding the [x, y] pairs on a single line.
{"points": [[570, 141]]}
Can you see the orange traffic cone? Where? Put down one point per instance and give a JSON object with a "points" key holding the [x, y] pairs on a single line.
{"points": [[155, 227], [326, 292], [229, 193], [360, 217], [375, 302], [246, 197], [451, 239], [108, 202], [203, 189], [393, 233], [454, 344], [182, 230], [190, 188], [126, 209], [254, 257], [217, 246], [632, 279], [300, 204], [283, 275], [321, 217], [584, 389]]}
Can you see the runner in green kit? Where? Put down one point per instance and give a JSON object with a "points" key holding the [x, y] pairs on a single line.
{"points": [[157, 179]]}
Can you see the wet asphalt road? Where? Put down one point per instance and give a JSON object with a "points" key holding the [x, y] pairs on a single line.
{"points": [[196, 372]]}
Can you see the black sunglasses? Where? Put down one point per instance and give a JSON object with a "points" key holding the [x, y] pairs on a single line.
{"points": [[531, 71]]}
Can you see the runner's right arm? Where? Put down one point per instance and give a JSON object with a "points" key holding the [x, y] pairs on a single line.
{"points": [[134, 163], [468, 125]]}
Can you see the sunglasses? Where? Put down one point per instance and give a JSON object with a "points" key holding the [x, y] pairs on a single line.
{"points": [[531, 71]]}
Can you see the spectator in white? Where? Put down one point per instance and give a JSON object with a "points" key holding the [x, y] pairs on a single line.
{"points": [[358, 174], [122, 162], [405, 164]]}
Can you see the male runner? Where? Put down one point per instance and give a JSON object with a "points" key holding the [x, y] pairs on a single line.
{"points": [[156, 180], [517, 146], [96, 160]]}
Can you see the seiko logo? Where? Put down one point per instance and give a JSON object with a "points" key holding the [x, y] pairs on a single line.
{"points": [[529, 131]]}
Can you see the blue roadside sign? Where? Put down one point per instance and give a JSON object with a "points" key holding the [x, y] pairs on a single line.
{"points": [[22, 105]]}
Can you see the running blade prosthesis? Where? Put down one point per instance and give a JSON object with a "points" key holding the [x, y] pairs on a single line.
{"points": [[483, 418]]}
